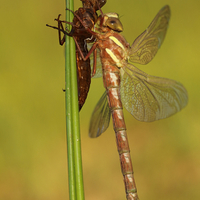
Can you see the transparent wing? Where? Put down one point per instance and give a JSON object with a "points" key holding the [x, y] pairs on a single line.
{"points": [[98, 64], [145, 46], [100, 118], [149, 98]]}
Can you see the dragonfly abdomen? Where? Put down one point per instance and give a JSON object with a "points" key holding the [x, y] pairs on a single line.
{"points": [[83, 72], [112, 85]]}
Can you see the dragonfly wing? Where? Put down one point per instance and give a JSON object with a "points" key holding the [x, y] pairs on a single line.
{"points": [[145, 46], [149, 98], [100, 118], [98, 62]]}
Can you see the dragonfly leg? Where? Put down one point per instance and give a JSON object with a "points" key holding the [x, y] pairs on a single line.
{"points": [[100, 8], [60, 29], [60, 25], [94, 46]]}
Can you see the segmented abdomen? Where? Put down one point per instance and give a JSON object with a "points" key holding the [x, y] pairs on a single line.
{"points": [[83, 72], [112, 85]]}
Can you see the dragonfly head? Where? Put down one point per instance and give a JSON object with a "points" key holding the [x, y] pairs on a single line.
{"points": [[111, 20]]}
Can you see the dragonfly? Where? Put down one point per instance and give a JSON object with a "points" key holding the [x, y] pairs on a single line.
{"points": [[89, 16], [147, 98]]}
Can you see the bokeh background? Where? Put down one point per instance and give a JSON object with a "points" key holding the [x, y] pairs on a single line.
{"points": [[33, 158]]}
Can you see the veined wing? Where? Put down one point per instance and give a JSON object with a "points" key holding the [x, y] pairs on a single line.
{"points": [[98, 62], [100, 118], [149, 98], [145, 46]]}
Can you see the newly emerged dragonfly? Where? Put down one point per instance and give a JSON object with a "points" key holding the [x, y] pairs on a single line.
{"points": [[147, 98], [89, 16]]}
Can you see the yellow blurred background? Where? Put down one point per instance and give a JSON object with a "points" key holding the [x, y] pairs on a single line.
{"points": [[33, 158]]}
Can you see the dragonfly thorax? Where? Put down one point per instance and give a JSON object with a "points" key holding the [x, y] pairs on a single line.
{"points": [[114, 49]]}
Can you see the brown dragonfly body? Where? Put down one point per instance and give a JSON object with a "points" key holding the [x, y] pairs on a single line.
{"points": [[88, 15], [111, 78], [147, 98], [108, 43]]}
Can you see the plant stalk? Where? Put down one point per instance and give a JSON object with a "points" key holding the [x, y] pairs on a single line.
{"points": [[75, 175]]}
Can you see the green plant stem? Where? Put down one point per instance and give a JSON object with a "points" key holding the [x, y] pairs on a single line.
{"points": [[75, 175], [71, 173]]}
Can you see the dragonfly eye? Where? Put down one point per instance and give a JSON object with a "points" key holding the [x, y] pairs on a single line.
{"points": [[114, 24]]}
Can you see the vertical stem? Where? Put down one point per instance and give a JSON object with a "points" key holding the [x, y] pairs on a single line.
{"points": [[71, 173], [75, 175]]}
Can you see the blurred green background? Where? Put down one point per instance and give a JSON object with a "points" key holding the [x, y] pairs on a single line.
{"points": [[33, 159]]}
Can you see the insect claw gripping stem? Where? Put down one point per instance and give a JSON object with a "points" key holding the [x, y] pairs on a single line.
{"points": [[61, 40], [57, 29], [58, 19], [62, 30], [62, 21]]}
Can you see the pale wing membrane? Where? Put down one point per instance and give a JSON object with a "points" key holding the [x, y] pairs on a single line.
{"points": [[98, 64], [100, 118], [145, 46], [149, 98]]}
